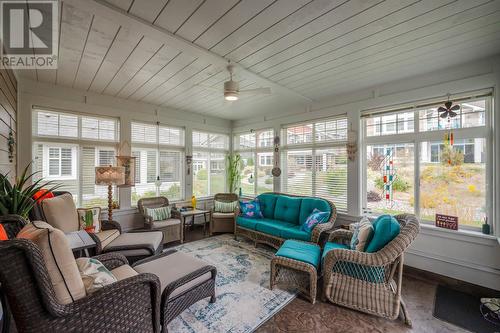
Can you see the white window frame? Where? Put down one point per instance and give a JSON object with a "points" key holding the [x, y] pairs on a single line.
{"points": [[255, 151], [154, 146], [313, 147], [417, 138], [210, 150]]}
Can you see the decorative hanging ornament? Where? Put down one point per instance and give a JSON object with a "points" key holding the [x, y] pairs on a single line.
{"points": [[449, 111]]}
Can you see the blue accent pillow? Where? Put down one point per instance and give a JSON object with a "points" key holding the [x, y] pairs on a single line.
{"points": [[251, 209], [314, 219]]}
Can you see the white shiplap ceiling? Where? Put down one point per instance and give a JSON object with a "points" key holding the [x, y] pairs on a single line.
{"points": [[157, 51]]}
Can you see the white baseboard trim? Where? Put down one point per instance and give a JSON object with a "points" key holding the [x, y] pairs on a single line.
{"points": [[461, 270]]}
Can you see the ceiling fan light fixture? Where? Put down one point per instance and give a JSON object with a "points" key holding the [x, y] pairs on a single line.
{"points": [[230, 96]]}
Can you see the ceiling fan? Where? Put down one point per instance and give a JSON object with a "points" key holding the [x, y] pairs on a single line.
{"points": [[232, 90]]}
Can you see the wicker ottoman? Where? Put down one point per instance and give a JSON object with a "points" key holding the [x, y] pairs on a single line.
{"points": [[296, 264]]}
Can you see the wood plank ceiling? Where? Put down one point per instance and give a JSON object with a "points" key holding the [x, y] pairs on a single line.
{"points": [[310, 48]]}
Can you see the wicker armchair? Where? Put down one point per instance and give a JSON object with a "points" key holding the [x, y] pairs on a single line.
{"points": [[369, 282], [171, 228], [129, 305], [223, 222]]}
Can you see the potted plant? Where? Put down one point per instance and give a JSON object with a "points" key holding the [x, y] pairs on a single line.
{"points": [[233, 172], [17, 198]]}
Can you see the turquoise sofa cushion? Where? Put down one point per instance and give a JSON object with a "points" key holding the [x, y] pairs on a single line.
{"points": [[385, 229], [245, 222], [309, 204], [357, 271], [287, 209], [294, 232], [267, 204], [271, 227], [305, 252]]}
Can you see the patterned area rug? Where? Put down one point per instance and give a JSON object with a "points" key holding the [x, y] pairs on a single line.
{"points": [[244, 300]]}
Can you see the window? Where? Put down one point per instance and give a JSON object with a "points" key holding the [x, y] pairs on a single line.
{"points": [[153, 160], [67, 148], [256, 151], [315, 160], [416, 170], [209, 163]]}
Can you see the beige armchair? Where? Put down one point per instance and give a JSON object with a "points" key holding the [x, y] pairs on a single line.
{"points": [[171, 228], [223, 222], [369, 282]]}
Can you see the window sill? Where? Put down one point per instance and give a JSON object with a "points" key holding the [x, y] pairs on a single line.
{"points": [[470, 236]]}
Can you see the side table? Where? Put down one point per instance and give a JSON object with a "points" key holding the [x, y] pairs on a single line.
{"points": [[80, 242]]}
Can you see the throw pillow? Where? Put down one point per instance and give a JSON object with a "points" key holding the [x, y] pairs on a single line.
{"points": [[90, 219], [315, 218], [251, 209], [94, 274], [363, 233], [160, 213], [225, 207], [385, 229], [42, 194]]}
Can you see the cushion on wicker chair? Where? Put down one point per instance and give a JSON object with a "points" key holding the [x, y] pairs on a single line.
{"points": [[385, 229], [301, 251], [60, 212], [225, 207], [223, 215], [123, 272], [183, 263], [159, 213], [165, 223], [136, 243], [107, 236], [59, 260]]}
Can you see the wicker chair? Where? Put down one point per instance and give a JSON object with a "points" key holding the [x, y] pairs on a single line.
{"points": [[223, 222], [129, 305], [171, 228], [369, 282]]}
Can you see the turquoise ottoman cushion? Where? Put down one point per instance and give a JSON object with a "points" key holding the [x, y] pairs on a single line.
{"points": [[309, 204], [385, 229], [267, 204], [294, 232], [300, 251], [287, 209]]}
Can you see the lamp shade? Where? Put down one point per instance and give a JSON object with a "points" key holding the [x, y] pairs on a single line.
{"points": [[109, 175]]}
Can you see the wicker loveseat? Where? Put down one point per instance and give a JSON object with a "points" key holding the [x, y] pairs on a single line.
{"points": [[283, 216], [368, 282]]}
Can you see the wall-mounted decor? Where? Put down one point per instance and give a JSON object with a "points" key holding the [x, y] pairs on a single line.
{"points": [[276, 171], [189, 160], [352, 144], [11, 142], [128, 164], [447, 221]]}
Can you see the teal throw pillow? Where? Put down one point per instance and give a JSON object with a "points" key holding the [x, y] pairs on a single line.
{"points": [[385, 229]]}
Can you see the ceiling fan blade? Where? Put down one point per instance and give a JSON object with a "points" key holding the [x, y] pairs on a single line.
{"points": [[444, 114], [455, 107], [452, 114], [441, 109], [448, 104], [208, 87], [258, 91]]}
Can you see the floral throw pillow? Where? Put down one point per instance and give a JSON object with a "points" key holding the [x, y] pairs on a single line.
{"points": [[363, 233], [251, 209], [314, 219]]}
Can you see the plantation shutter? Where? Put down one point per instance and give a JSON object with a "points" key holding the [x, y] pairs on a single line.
{"points": [[88, 170], [151, 166]]}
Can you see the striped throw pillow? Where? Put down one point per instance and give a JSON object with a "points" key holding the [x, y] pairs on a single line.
{"points": [[159, 214], [225, 207]]}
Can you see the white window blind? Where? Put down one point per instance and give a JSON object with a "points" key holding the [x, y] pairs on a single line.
{"points": [[314, 160]]}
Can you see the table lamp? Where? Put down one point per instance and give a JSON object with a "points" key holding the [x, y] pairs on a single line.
{"points": [[110, 175]]}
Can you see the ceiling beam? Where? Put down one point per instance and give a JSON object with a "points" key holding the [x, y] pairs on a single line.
{"points": [[134, 23]]}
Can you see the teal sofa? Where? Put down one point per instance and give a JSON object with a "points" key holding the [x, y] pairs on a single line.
{"points": [[283, 217]]}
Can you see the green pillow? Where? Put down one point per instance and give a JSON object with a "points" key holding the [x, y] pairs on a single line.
{"points": [[225, 207], [160, 213], [385, 229]]}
